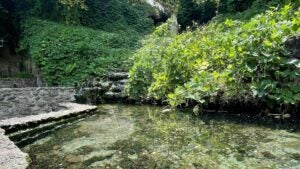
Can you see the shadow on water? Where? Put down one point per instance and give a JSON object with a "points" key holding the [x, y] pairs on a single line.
{"points": [[126, 136], [249, 119]]}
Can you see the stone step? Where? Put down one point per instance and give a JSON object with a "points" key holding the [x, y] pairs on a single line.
{"points": [[100, 90], [29, 135], [22, 123], [118, 76], [117, 88], [114, 95]]}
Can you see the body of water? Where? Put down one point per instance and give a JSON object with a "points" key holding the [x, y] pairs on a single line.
{"points": [[137, 137]]}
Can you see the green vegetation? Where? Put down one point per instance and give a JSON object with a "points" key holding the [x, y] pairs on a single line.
{"points": [[67, 54], [117, 15], [228, 59], [190, 12], [229, 6], [228, 51], [239, 9], [73, 41]]}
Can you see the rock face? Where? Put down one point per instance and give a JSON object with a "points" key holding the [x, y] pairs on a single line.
{"points": [[109, 88], [293, 45], [20, 102]]}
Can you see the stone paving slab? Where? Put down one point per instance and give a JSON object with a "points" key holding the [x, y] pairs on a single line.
{"points": [[11, 157], [72, 108]]}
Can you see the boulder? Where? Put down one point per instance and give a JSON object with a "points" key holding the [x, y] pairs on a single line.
{"points": [[293, 46], [117, 88]]}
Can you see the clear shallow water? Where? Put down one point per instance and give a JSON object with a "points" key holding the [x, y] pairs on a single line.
{"points": [[125, 136]]}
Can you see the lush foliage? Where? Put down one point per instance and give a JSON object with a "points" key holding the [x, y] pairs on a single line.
{"points": [[66, 51], [234, 5], [67, 54], [195, 12], [105, 14], [246, 9], [115, 15], [190, 12], [232, 60], [148, 60]]}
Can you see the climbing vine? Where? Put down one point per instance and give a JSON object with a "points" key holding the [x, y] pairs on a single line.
{"points": [[91, 41]]}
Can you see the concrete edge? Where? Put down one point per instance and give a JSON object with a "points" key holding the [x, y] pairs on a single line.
{"points": [[11, 157], [20, 88], [72, 108]]}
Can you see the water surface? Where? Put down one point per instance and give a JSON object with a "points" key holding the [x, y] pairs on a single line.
{"points": [[136, 137]]}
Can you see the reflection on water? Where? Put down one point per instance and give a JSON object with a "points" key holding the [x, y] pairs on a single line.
{"points": [[125, 136]]}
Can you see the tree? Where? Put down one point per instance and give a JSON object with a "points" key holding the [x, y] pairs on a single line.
{"points": [[74, 3], [191, 11], [57, 10], [8, 28], [2, 18], [73, 8], [234, 5]]}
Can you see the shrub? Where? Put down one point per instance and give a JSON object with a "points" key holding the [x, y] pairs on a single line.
{"points": [[67, 54], [231, 59], [70, 42]]}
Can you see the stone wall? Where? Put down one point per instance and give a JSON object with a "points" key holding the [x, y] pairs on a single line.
{"points": [[17, 82], [109, 88], [20, 102]]}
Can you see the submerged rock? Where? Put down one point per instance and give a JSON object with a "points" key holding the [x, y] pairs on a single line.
{"points": [[295, 156], [268, 154], [73, 159], [166, 110], [106, 85]]}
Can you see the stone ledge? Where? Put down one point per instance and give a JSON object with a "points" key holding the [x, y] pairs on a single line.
{"points": [[11, 157], [37, 88], [72, 109]]}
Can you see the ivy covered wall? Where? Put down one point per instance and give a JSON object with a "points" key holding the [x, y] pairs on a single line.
{"points": [[72, 40]]}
